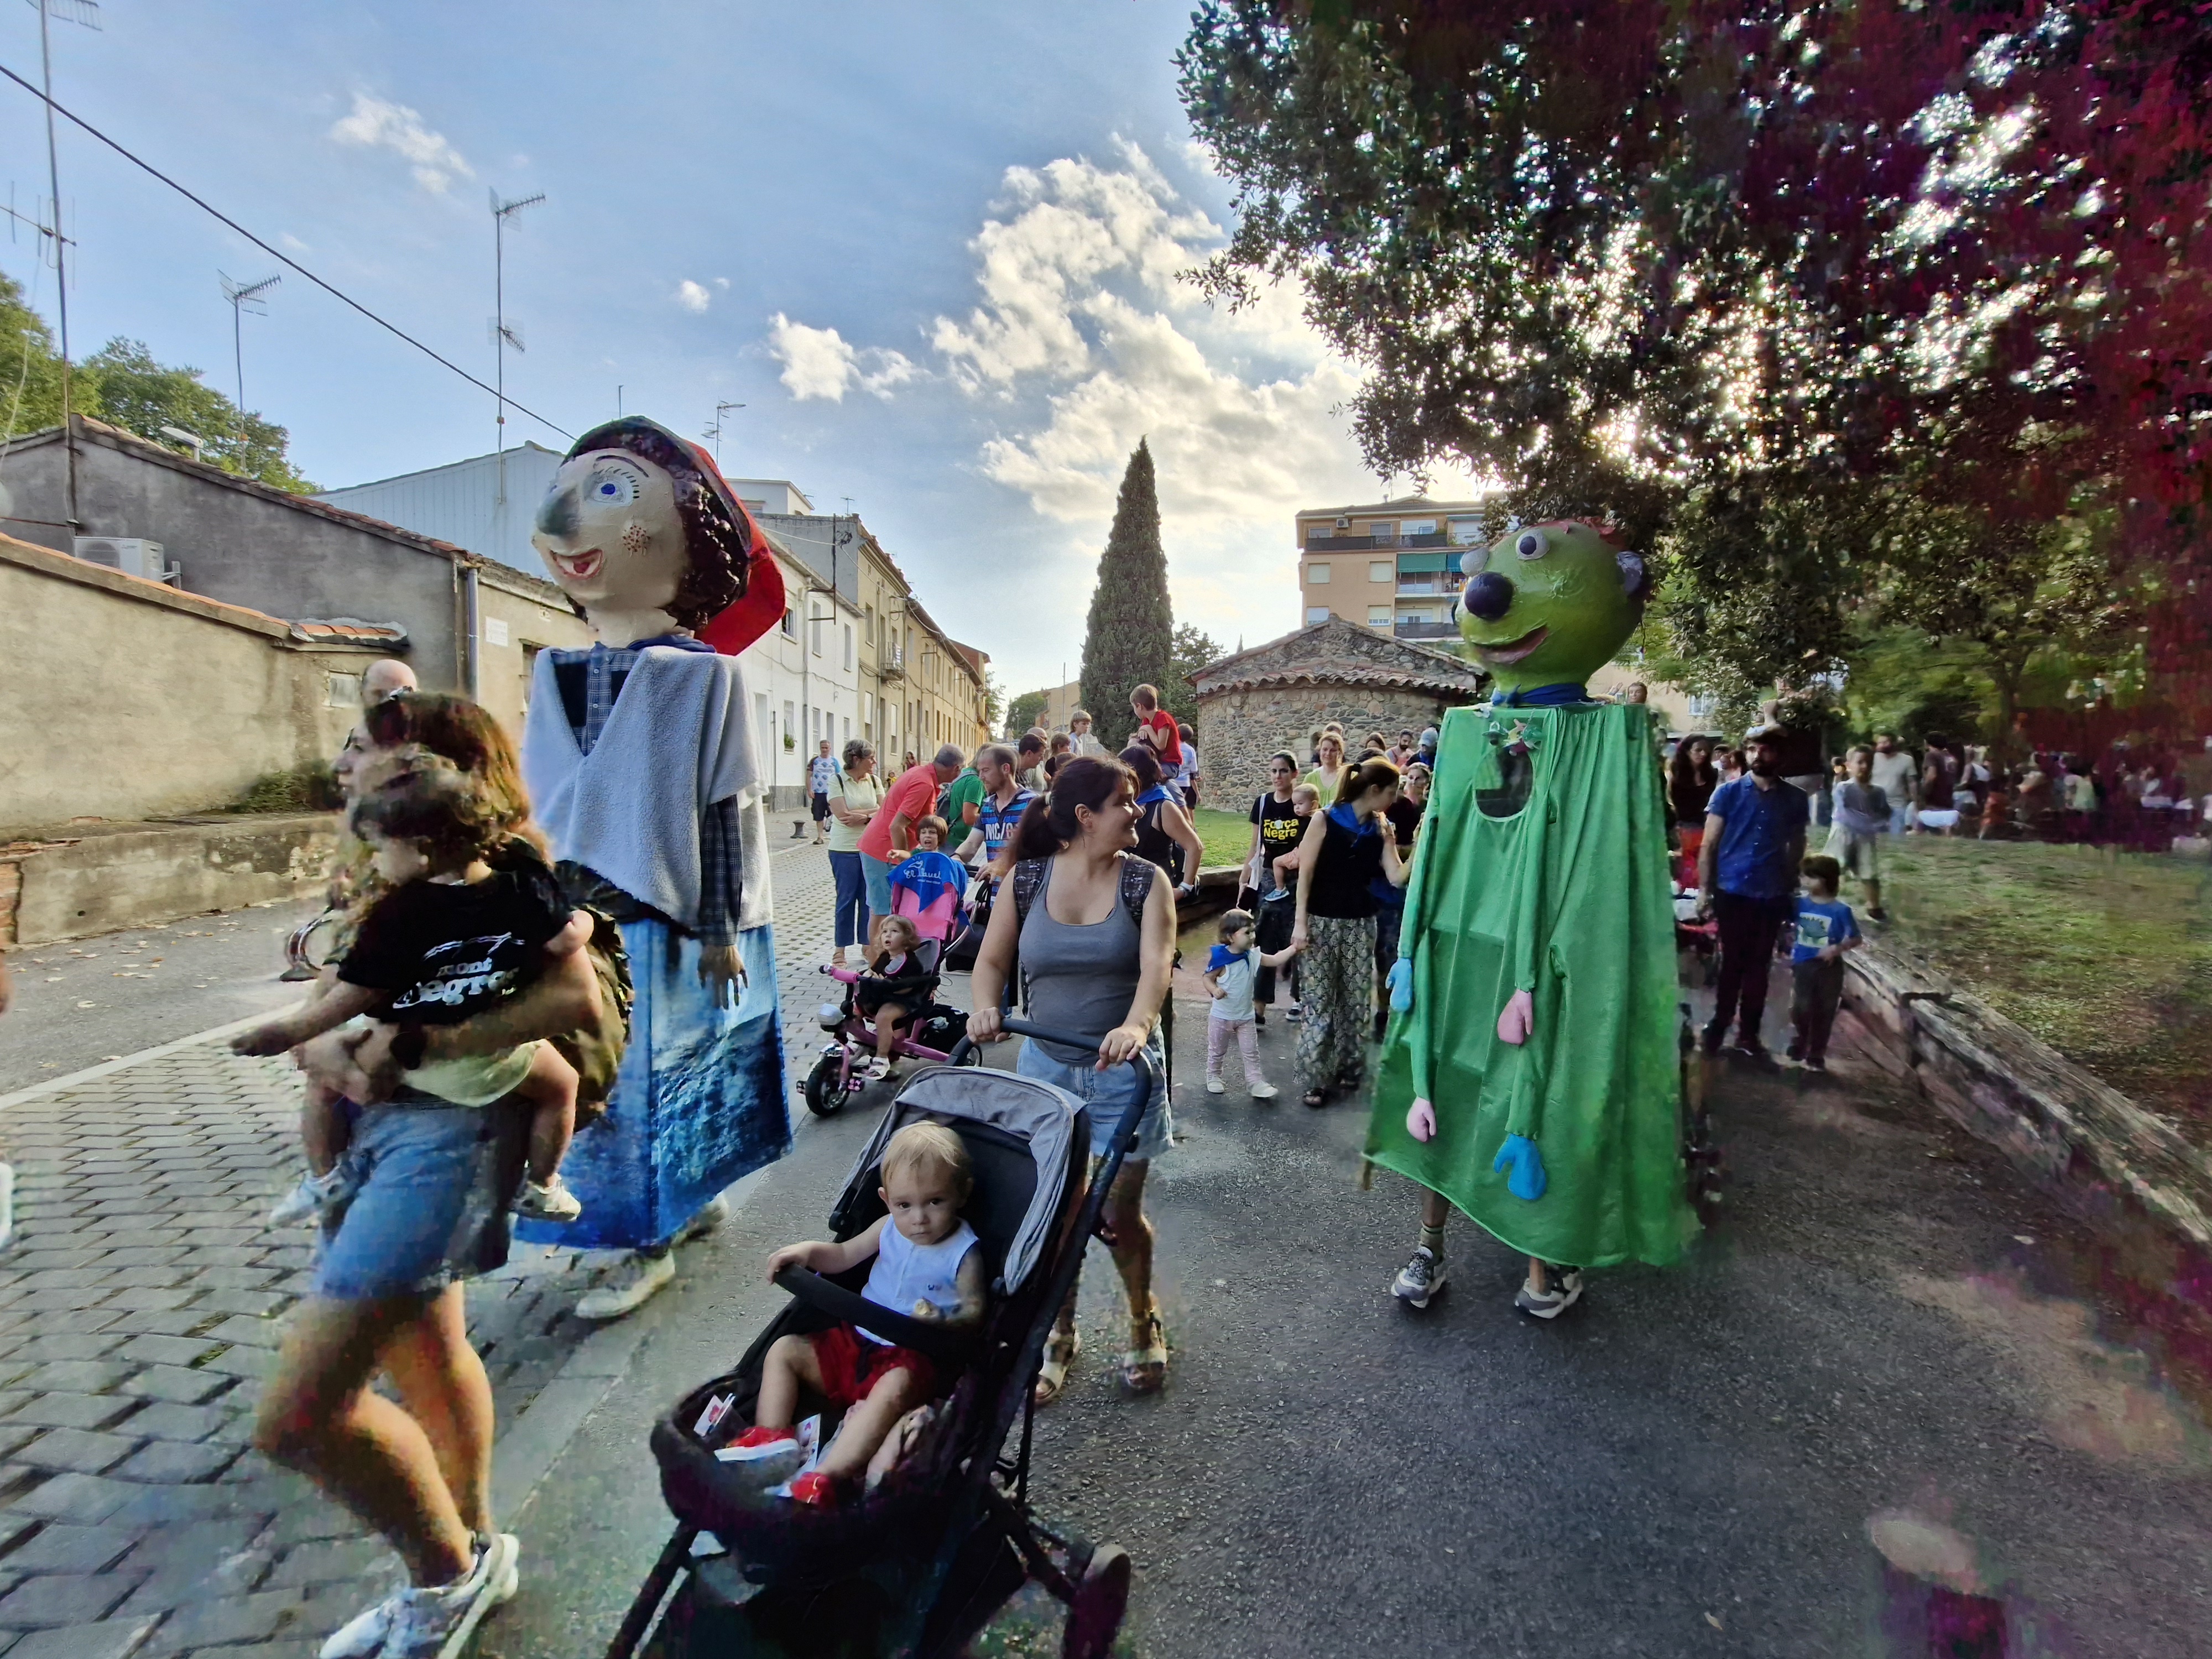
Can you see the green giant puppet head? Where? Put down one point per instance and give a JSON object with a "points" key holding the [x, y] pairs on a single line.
{"points": [[1549, 604]]}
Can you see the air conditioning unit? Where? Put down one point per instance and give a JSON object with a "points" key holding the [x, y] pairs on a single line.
{"points": [[134, 556]]}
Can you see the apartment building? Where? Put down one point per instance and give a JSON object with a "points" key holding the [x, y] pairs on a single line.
{"points": [[1389, 566]]}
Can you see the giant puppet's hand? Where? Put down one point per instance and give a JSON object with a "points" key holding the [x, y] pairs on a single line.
{"points": [[1517, 1019], [722, 971], [1421, 1119]]}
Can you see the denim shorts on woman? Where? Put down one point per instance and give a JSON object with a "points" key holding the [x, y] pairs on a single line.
{"points": [[879, 874], [1108, 1093], [429, 1202]]}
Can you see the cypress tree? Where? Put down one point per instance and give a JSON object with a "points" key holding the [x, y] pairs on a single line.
{"points": [[1130, 638]]}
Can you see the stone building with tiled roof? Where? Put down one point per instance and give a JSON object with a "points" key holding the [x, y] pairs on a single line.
{"points": [[1279, 694]]}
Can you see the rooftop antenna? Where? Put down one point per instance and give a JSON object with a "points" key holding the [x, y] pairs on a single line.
{"points": [[714, 432], [87, 14], [503, 337], [244, 297]]}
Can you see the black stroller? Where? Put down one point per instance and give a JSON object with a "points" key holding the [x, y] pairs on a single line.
{"points": [[920, 1565]]}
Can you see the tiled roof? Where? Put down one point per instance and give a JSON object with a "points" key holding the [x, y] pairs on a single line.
{"points": [[1338, 652], [349, 631]]}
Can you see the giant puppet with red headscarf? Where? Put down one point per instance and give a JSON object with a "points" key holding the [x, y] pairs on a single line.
{"points": [[640, 762]]}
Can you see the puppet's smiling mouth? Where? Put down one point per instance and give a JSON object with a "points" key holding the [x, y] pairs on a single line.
{"points": [[1512, 651], [581, 566]]}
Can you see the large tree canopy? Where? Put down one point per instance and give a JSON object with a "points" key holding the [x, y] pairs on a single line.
{"points": [[1715, 267]]}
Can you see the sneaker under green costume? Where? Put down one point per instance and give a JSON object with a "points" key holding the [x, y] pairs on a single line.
{"points": [[1542, 865]]}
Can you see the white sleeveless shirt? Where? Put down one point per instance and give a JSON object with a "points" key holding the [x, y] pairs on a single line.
{"points": [[907, 1273]]}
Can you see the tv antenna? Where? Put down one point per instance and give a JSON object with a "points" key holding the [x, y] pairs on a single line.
{"points": [[244, 297], [714, 432], [85, 13], [503, 337]]}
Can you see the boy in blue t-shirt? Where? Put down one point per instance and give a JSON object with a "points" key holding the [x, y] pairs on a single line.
{"points": [[1825, 929]]}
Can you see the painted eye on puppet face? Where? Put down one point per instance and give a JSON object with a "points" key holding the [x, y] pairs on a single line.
{"points": [[1472, 561], [610, 486], [1532, 545]]}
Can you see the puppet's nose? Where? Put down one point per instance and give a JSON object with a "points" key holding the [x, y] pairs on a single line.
{"points": [[1489, 596]]}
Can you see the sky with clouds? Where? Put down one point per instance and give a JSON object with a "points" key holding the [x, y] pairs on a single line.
{"points": [[936, 251]]}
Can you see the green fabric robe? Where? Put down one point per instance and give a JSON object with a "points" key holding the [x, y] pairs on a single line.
{"points": [[1571, 900]]}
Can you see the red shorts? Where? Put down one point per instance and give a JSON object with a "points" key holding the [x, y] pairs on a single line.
{"points": [[852, 1365]]}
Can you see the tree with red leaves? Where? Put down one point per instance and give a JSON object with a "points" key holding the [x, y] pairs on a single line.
{"points": [[1789, 290]]}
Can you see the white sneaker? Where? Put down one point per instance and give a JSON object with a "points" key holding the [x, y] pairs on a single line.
{"points": [[437, 1623], [633, 1283], [1563, 1289], [1421, 1279], [1214, 1085], [551, 1202], [1263, 1091], [362, 1636], [311, 1198]]}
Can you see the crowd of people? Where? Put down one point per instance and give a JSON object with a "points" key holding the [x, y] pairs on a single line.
{"points": [[2142, 797]]}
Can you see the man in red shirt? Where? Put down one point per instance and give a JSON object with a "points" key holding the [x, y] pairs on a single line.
{"points": [[888, 840], [1157, 728]]}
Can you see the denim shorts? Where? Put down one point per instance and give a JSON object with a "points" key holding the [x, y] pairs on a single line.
{"points": [[879, 884], [1108, 1093], [429, 1207]]}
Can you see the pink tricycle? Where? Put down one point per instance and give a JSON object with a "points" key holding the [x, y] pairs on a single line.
{"points": [[932, 1031]]}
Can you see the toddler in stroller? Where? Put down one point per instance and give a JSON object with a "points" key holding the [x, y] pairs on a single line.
{"points": [[927, 1264], [917, 1564], [900, 976]]}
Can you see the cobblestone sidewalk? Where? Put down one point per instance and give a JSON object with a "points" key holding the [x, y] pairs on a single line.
{"points": [[141, 1298]]}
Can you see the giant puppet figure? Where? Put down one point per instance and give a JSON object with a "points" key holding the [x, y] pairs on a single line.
{"points": [[1528, 1074], [640, 759]]}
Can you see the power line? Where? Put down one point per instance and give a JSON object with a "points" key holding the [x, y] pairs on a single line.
{"points": [[216, 213]]}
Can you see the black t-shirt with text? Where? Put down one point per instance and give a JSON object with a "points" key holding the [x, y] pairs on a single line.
{"points": [[1281, 826], [447, 951]]}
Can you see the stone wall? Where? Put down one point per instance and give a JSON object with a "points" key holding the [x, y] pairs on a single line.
{"points": [[1239, 728], [125, 700], [2144, 1191]]}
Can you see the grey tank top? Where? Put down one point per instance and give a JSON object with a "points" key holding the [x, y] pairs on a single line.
{"points": [[1079, 979]]}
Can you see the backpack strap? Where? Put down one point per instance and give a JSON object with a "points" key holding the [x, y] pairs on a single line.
{"points": [[1028, 878], [1136, 886]]}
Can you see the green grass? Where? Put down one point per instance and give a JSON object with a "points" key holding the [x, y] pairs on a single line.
{"points": [[1227, 836], [2106, 956]]}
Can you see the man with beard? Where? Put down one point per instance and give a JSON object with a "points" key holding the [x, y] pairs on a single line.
{"points": [[1747, 875]]}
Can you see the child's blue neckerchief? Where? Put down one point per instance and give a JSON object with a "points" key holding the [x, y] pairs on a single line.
{"points": [[1221, 956]]}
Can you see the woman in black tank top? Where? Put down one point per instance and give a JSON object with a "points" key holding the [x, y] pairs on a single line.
{"points": [[1164, 833], [1348, 848]]}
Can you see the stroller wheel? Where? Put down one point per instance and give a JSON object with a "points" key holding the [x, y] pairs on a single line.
{"points": [[824, 1096], [1094, 1614]]}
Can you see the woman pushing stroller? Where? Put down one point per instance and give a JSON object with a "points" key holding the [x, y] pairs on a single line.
{"points": [[1097, 927]]}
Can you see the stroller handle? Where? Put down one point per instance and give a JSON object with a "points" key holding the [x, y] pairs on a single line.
{"points": [[1142, 1060]]}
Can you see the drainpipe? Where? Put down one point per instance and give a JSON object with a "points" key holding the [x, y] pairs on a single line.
{"points": [[471, 630]]}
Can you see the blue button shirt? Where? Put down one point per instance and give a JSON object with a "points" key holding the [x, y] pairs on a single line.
{"points": [[1757, 826]]}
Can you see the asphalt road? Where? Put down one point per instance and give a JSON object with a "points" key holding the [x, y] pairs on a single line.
{"points": [[96, 999], [1884, 1338]]}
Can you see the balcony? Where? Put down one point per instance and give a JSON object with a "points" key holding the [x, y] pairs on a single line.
{"points": [[890, 663], [1423, 631], [1363, 544], [1430, 589]]}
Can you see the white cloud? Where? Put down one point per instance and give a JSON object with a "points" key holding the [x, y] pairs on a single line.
{"points": [[1085, 338], [819, 363], [691, 296], [377, 125], [293, 242], [722, 283]]}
